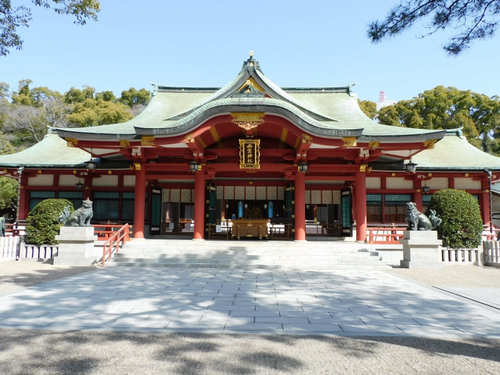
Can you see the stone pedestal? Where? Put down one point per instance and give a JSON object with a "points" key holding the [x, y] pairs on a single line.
{"points": [[421, 249], [76, 247]]}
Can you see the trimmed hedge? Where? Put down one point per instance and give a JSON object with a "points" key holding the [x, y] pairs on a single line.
{"points": [[43, 221], [462, 224]]}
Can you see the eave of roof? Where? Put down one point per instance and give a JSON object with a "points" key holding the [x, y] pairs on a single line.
{"points": [[50, 152], [455, 153]]}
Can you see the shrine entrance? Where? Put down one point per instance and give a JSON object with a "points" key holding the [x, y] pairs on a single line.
{"points": [[247, 209]]}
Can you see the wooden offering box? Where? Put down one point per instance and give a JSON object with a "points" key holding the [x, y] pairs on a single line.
{"points": [[250, 228]]}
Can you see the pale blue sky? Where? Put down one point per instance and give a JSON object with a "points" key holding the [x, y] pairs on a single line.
{"points": [[203, 43]]}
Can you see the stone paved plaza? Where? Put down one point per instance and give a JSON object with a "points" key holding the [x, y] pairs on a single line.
{"points": [[343, 300]]}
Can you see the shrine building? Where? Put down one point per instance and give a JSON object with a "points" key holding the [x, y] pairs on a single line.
{"points": [[250, 159]]}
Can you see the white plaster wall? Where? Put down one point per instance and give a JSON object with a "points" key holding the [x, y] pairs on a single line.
{"points": [[105, 181], [398, 183], [69, 180], [436, 183], [41, 180], [128, 180], [465, 183], [373, 183]]}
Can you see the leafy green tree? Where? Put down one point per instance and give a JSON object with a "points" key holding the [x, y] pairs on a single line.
{"points": [[449, 108], [8, 186], [471, 19], [93, 112], [107, 96], [75, 95], [35, 97], [369, 108], [8, 197], [43, 221], [461, 225], [133, 97], [13, 17]]}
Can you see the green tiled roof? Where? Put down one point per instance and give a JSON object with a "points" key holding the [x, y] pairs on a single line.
{"points": [[453, 152], [51, 151], [326, 112]]}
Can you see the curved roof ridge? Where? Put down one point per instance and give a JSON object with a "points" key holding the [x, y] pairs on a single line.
{"points": [[251, 69], [251, 104]]}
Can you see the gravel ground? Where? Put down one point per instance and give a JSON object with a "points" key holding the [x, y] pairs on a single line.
{"points": [[37, 353], [15, 276]]}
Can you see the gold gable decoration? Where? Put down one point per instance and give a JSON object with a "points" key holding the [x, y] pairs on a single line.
{"points": [[248, 120], [249, 153]]}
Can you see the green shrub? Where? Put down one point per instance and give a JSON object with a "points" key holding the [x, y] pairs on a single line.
{"points": [[43, 221], [462, 224]]}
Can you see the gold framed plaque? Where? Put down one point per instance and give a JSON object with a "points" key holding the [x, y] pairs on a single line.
{"points": [[249, 153]]}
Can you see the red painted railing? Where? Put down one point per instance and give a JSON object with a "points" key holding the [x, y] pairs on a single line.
{"points": [[105, 231], [114, 242], [385, 235]]}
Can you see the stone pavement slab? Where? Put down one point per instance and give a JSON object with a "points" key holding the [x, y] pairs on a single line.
{"points": [[346, 302]]}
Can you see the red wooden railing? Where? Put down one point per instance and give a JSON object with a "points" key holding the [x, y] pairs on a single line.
{"points": [[105, 231], [385, 235], [114, 242]]}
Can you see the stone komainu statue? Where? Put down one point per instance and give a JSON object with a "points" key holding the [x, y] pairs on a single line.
{"points": [[80, 217], [418, 221]]}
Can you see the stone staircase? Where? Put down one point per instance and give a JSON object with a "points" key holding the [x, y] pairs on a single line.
{"points": [[310, 255]]}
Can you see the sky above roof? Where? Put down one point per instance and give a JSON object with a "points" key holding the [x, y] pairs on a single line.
{"points": [[191, 43]]}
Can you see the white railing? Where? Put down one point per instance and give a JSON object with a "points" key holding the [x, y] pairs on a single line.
{"points": [[491, 251], [40, 252], [9, 247], [461, 256]]}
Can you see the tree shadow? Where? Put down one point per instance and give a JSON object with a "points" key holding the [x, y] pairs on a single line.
{"points": [[235, 292]]}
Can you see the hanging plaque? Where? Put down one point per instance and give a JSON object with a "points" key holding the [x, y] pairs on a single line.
{"points": [[250, 153]]}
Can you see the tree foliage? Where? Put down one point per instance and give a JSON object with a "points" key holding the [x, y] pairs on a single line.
{"points": [[8, 186], [97, 112], [13, 17], [369, 108], [471, 20], [26, 114], [449, 108], [43, 221], [462, 225]]}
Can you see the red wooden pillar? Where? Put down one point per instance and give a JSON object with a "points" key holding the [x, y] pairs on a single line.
{"points": [[199, 205], [360, 198], [417, 195], [300, 207], [87, 185], [22, 210], [140, 198], [485, 200]]}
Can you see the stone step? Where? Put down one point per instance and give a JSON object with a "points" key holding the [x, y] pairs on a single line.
{"points": [[228, 254]]}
